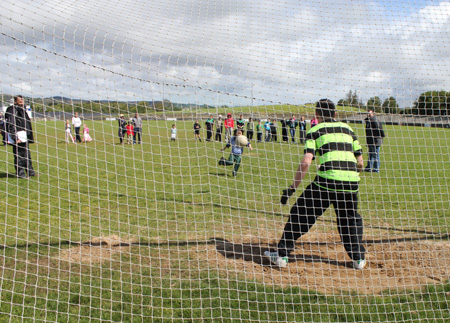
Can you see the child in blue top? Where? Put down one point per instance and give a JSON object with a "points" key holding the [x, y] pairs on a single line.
{"points": [[268, 130], [236, 152]]}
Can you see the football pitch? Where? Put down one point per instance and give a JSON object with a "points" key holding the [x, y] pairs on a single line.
{"points": [[159, 231]]}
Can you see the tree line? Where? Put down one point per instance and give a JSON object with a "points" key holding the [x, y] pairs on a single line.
{"points": [[375, 103], [430, 103]]}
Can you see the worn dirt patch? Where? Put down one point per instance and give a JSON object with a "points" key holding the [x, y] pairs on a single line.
{"points": [[321, 263], [96, 250], [395, 262]]}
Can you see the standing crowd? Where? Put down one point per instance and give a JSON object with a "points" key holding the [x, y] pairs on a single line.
{"points": [[218, 129], [130, 130], [335, 144]]}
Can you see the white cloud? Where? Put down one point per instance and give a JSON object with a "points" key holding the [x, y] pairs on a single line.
{"points": [[281, 51]]}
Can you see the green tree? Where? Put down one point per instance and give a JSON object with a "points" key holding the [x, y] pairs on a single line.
{"points": [[432, 103], [374, 103], [351, 99], [390, 105]]}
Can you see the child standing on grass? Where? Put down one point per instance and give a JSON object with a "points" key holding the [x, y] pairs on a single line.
{"points": [[86, 135], [259, 131], [130, 132], [68, 132], [236, 152], [173, 133], [197, 128]]}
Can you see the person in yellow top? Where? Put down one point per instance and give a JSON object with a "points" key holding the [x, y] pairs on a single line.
{"points": [[336, 183]]}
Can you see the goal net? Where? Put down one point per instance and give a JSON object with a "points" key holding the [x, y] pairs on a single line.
{"points": [[140, 210]]}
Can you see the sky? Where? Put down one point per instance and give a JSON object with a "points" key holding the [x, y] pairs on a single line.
{"points": [[224, 52]]}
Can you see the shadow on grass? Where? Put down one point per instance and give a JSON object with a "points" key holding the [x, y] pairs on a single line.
{"points": [[222, 174], [8, 175], [5, 175]]}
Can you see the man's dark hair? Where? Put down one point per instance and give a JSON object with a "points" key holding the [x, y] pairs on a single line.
{"points": [[17, 96], [325, 108]]}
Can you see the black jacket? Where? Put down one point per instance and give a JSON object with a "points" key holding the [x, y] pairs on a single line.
{"points": [[17, 119], [374, 131], [122, 124]]}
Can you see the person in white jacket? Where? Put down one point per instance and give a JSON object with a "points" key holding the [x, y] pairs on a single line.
{"points": [[76, 122]]}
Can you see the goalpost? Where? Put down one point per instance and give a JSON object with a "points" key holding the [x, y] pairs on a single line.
{"points": [[143, 223]]}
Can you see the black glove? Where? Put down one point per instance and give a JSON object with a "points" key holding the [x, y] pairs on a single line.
{"points": [[286, 194]]}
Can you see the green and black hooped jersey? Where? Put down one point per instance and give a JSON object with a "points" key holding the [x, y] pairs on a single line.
{"points": [[336, 146]]}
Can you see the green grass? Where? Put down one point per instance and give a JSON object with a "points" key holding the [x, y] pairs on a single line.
{"points": [[172, 196]]}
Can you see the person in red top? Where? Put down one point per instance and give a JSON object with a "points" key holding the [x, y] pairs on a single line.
{"points": [[130, 132], [229, 127]]}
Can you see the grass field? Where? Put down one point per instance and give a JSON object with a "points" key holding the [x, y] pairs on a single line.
{"points": [[169, 198]]}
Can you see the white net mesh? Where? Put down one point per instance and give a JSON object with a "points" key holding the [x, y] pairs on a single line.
{"points": [[152, 227]]}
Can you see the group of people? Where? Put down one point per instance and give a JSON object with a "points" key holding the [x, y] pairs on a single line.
{"points": [[336, 183], [217, 126], [76, 123], [131, 129], [268, 129], [340, 161]]}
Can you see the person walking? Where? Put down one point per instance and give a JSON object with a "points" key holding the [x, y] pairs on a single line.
{"points": [[337, 181], [20, 135], [76, 122], [374, 140]]}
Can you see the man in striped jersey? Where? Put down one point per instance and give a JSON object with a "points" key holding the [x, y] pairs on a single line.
{"points": [[336, 183]]}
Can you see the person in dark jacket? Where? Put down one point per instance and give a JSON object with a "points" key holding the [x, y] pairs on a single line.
{"points": [[292, 124], [302, 129], [122, 128], [3, 129], [284, 134], [209, 127], [374, 140], [273, 130], [20, 135]]}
